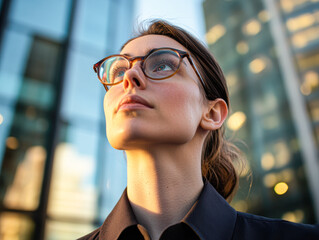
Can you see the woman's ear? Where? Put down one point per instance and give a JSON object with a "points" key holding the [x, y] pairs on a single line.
{"points": [[214, 115]]}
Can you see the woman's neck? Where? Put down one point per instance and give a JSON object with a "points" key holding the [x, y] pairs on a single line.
{"points": [[162, 186]]}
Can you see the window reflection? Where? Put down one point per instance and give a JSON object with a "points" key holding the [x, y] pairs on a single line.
{"points": [[91, 27], [41, 16], [15, 226], [73, 181], [259, 105], [24, 191], [27, 134], [66, 230]]}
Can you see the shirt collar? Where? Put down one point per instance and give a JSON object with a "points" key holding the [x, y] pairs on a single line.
{"points": [[211, 217], [121, 217]]}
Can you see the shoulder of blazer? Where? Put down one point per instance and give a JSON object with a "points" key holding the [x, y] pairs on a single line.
{"points": [[257, 227]]}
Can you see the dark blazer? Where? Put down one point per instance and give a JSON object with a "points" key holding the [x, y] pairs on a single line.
{"points": [[210, 218]]}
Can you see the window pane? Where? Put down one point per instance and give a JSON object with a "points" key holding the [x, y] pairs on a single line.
{"points": [[13, 55], [24, 190], [83, 93], [57, 230], [73, 191], [260, 113], [27, 133], [15, 226], [91, 24], [48, 17]]}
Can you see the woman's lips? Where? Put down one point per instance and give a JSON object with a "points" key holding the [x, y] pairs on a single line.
{"points": [[133, 102]]}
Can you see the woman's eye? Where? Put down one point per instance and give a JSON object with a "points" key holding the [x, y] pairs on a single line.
{"points": [[120, 73], [162, 67], [116, 74]]}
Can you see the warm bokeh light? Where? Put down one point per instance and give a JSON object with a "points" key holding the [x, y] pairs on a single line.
{"points": [[287, 5], [241, 206], [312, 78], [252, 27], [270, 180], [287, 174], [282, 155], [300, 22], [299, 40], [304, 37], [296, 216], [263, 16], [231, 79], [12, 143], [281, 188], [305, 89], [267, 161], [290, 5], [311, 81], [257, 65], [236, 121], [1, 118], [215, 33], [242, 47]]}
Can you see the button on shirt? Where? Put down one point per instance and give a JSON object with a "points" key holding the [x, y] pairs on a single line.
{"points": [[210, 218]]}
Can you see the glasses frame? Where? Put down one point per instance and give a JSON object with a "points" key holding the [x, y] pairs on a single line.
{"points": [[180, 53]]}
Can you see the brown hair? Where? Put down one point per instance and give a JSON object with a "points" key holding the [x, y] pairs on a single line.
{"points": [[218, 154]]}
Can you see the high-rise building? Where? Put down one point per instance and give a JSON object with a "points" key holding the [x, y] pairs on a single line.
{"points": [[269, 53], [59, 177], [54, 156]]}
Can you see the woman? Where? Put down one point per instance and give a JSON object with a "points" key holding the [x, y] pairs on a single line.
{"points": [[165, 105]]}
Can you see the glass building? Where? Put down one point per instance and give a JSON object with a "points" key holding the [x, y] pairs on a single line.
{"points": [[54, 184], [59, 177], [267, 112]]}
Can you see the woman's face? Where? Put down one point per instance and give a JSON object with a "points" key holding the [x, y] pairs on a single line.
{"points": [[141, 112]]}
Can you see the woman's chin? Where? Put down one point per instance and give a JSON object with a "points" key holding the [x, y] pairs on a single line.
{"points": [[125, 139]]}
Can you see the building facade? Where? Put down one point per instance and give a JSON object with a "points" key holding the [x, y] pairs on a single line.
{"points": [[52, 128], [266, 113], [60, 178]]}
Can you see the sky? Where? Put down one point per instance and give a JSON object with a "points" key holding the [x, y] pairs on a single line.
{"points": [[187, 14]]}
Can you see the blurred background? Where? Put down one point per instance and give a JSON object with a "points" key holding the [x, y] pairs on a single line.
{"points": [[59, 177]]}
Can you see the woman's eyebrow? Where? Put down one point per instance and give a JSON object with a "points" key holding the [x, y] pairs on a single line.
{"points": [[147, 52]]}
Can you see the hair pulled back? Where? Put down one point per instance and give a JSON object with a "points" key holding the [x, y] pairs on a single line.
{"points": [[217, 154]]}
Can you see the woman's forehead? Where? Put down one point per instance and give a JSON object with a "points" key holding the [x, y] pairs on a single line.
{"points": [[142, 45]]}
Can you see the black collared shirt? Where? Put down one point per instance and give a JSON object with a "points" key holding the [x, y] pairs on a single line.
{"points": [[210, 218]]}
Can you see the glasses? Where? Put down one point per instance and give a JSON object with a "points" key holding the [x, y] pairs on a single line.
{"points": [[158, 64]]}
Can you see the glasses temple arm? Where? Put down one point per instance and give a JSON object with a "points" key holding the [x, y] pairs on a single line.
{"points": [[196, 70]]}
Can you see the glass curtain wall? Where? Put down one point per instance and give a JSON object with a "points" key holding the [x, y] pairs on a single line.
{"points": [[238, 35], [301, 19], [59, 176]]}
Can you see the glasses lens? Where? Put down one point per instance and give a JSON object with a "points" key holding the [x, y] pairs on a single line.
{"points": [[112, 70], [161, 64]]}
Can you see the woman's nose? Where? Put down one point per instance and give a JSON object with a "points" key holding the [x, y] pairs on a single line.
{"points": [[134, 77]]}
